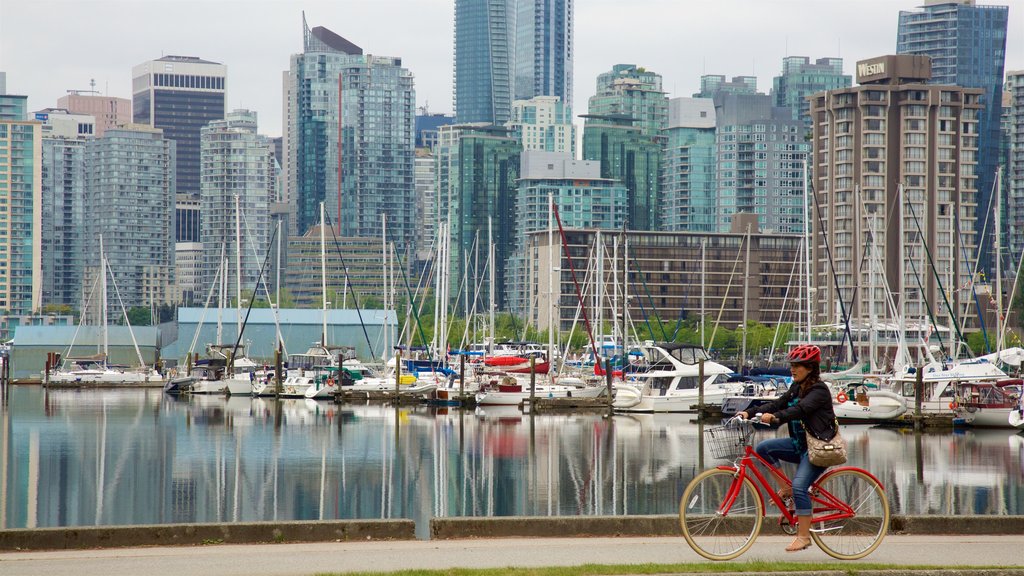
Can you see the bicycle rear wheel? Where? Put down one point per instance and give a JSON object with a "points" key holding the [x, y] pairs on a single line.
{"points": [[711, 532], [859, 535]]}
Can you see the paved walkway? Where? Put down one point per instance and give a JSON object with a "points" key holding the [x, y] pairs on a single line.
{"points": [[308, 559]]}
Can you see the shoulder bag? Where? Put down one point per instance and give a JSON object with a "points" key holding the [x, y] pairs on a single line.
{"points": [[826, 453]]}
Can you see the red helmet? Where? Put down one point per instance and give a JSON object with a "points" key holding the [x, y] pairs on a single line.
{"points": [[805, 353]]}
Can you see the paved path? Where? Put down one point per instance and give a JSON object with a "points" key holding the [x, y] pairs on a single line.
{"points": [[308, 559]]}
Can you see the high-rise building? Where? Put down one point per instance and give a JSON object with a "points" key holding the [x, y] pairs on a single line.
{"points": [[21, 191], [761, 150], [544, 123], [427, 125], [109, 111], [63, 205], [583, 198], [711, 84], [632, 91], [630, 156], [351, 265], [894, 182], [689, 174], [800, 79], [543, 49], [477, 173], [967, 45], [349, 138], [238, 185], [426, 207], [484, 60], [130, 186], [180, 95], [1013, 173]]}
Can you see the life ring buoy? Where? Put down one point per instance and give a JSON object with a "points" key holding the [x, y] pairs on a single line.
{"points": [[841, 397], [952, 405]]}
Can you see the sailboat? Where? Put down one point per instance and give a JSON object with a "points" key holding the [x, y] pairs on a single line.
{"points": [[97, 370]]}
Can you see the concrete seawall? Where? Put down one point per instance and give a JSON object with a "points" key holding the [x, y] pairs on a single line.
{"points": [[440, 529]]}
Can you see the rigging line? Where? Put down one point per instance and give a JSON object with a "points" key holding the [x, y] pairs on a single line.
{"points": [[252, 301], [860, 271], [728, 288], [355, 295], [423, 280], [88, 301], [125, 312], [463, 285], [579, 305], [202, 317], [650, 300], [835, 277], [782, 311], [931, 317], [935, 272], [274, 310], [974, 294], [476, 298], [576, 284], [977, 260]]}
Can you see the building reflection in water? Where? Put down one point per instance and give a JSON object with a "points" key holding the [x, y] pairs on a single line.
{"points": [[98, 457]]}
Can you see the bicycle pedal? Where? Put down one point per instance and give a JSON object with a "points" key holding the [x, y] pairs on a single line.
{"points": [[786, 526]]}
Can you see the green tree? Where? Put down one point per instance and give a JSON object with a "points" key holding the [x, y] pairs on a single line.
{"points": [[140, 316]]}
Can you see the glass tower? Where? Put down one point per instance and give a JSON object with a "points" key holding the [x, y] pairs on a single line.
{"points": [[543, 57], [632, 91], [967, 45], [1013, 173], [350, 138], [237, 162], [689, 178], [484, 54], [800, 79], [130, 186], [21, 191], [180, 95], [478, 171], [629, 156], [544, 123]]}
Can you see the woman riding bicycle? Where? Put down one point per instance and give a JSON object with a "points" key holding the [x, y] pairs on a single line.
{"points": [[806, 405]]}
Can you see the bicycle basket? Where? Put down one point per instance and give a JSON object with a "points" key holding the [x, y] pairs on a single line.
{"points": [[728, 441]]}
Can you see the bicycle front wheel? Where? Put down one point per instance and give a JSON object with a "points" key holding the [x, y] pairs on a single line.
{"points": [[857, 536], [714, 528]]}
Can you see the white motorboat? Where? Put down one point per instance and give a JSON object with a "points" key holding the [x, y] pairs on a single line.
{"points": [[990, 404], [939, 383], [78, 371], [670, 382], [512, 390], [870, 407]]}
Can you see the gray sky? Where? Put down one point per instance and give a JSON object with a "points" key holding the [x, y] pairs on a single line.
{"points": [[50, 46]]}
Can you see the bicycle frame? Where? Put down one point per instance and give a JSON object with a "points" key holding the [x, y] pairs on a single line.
{"points": [[825, 506]]}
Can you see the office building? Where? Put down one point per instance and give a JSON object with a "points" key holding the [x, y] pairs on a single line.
{"points": [[895, 158], [21, 189], [109, 111], [543, 49], [627, 155], [800, 79], [130, 186], [237, 187], [63, 206], [180, 95], [967, 44], [477, 173], [484, 60], [761, 150], [361, 257], [688, 275], [689, 181], [543, 123], [349, 138], [426, 208], [633, 91]]}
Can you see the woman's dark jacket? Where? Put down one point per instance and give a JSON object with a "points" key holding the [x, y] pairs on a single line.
{"points": [[813, 409]]}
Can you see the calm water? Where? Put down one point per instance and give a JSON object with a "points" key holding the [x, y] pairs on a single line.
{"points": [[79, 458]]}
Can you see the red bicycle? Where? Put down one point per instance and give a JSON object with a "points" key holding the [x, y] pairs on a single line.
{"points": [[722, 509]]}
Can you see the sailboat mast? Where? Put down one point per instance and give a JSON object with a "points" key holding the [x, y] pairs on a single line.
{"points": [[703, 280], [103, 299], [552, 270], [746, 289], [222, 293], [323, 276], [902, 310], [807, 249], [997, 248], [490, 271], [238, 264], [384, 264]]}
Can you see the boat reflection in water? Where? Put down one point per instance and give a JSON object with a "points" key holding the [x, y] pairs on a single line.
{"points": [[115, 457]]}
